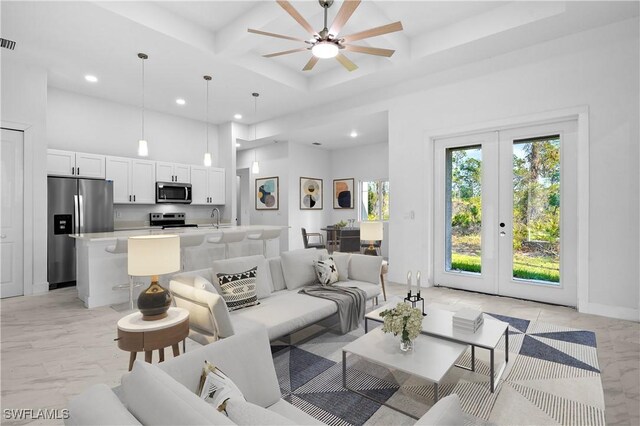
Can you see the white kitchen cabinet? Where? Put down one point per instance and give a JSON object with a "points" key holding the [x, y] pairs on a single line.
{"points": [[172, 172], [134, 180], [207, 185], [75, 164]]}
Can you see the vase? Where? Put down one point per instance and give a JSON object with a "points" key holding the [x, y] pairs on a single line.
{"points": [[406, 345]]}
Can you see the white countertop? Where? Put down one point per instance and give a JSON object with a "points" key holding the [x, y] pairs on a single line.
{"points": [[103, 236]]}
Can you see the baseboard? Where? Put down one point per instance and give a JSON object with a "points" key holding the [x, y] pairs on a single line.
{"points": [[618, 312], [40, 288]]}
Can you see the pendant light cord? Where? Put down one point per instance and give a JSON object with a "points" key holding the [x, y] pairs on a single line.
{"points": [[142, 98], [206, 119]]}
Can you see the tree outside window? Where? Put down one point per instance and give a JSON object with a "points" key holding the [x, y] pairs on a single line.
{"points": [[374, 200]]}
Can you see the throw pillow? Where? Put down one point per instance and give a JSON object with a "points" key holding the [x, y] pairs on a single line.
{"points": [[245, 413], [264, 285], [239, 290], [202, 283], [342, 263], [216, 388], [326, 271]]}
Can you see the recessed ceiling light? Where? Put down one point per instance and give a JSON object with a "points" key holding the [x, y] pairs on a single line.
{"points": [[353, 134], [237, 116], [91, 78], [237, 145], [316, 143], [180, 101]]}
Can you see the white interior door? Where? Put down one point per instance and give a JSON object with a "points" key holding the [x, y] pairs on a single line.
{"points": [[506, 213], [11, 214]]}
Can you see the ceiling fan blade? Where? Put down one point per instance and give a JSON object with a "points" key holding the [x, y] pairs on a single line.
{"points": [[286, 37], [285, 52], [345, 12], [373, 32], [346, 62], [369, 50], [312, 63], [296, 15]]}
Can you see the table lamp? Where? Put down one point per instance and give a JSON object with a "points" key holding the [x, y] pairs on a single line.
{"points": [[150, 256], [371, 231]]}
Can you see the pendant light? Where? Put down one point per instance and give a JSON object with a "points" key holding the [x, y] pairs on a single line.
{"points": [[255, 167], [143, 148], [207, 154]]}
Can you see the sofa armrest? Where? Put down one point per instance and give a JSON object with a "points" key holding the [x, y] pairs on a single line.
{"points": [[365, 268], [98, 405], [208, 312]]}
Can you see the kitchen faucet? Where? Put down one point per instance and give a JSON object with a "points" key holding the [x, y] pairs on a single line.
{"points": [[213, 214]]}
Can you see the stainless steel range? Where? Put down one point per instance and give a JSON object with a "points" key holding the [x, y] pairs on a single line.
{"points": [[170, 220]]}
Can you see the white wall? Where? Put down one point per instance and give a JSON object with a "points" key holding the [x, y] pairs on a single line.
{"points": [[362, 163], [23, 102]]}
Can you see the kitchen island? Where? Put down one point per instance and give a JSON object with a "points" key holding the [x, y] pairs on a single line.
{"points": [[99, 272]]}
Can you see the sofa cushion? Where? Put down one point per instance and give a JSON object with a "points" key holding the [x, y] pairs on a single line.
{"points": [[297, 266], [202, 283], [342, 263], [446, 412], [251, 370], [98, 405], [298, 416], [287, 311], [326, 271], [367, 268], [245, 413], [239, 289], [372, 290], [264, 286], [156, 398], [277, 277]]}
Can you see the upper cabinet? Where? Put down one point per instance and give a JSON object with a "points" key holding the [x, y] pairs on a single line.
{"points": [[207, 185], [172, 172], [134, 181], [75, 164]]}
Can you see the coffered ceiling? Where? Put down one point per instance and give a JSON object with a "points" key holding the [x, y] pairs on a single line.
{"points": [[185, 40]]}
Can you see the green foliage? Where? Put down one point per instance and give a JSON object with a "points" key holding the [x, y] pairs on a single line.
{"points": [[524, 267]]}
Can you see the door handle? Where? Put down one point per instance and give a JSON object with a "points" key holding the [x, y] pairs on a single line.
{"points": [[81, 211], [129, 198], [73, 170], [75, 216], [186, 193], [78, 171], [134, 198]]}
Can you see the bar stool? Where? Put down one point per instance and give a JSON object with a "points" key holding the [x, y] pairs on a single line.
{"points": [[226, 237], [187, 241], [121, 246], [264, 235]]}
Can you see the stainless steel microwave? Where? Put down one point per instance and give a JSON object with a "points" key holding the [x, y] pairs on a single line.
{"points": [[173, 192]]}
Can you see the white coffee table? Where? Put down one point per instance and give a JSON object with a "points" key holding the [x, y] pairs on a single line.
{"points": [[430, 359], [439, 323]]}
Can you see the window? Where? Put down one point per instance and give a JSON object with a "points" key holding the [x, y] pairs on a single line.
{"points": [[374, 200]]}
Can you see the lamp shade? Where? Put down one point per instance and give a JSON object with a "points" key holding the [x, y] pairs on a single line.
{"points": [[153, 255], [371, 231]]}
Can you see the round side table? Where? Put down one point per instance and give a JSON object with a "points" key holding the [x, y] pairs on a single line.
{"points": [[136, 335]]}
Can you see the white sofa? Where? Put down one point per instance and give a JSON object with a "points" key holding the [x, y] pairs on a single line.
{"points": [[282, 310]]}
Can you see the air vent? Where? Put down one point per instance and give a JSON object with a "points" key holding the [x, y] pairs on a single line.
{"points": [[7, 44], [316, 143]]}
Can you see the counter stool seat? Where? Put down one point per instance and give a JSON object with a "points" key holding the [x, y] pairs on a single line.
{"points": [[226, 237], [264, 235], [187, 241], [122, 246]]}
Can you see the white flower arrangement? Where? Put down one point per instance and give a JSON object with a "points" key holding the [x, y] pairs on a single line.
{"points": [[403, 320]]}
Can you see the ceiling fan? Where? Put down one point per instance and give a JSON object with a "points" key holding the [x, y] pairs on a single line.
{"points": [[327, 43]]}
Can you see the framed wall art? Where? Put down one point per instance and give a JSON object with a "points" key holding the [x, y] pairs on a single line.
{"points": [[343, 193], [268, 193], [310, 193]]}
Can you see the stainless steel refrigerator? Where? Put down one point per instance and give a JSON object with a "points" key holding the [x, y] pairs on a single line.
{"points": [[75, 206]]}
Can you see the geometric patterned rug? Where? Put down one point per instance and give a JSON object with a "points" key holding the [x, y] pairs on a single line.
{"points": [[552, 378]]}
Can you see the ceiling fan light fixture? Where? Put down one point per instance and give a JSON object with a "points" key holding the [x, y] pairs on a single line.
{"points": [[325, 50]]}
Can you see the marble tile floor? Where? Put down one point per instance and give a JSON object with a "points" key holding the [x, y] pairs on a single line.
{"points": [[52, 348]]}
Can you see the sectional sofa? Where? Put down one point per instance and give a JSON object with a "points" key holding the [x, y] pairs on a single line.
{"points": [[282, 310]]}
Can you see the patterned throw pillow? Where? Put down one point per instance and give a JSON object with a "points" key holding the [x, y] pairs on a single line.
{"points": [[326, 271], [239, 290]]}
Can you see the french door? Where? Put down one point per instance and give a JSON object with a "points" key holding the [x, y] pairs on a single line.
{"points": [[506, 212]]}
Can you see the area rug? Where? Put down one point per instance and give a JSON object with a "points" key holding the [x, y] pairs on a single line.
{"points": [[552, 378]]}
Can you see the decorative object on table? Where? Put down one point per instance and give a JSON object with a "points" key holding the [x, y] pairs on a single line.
{"points": [[467, 320], [343, 193], [340, 224], [403, 320], [372, 232], [414, 299], [268, 193], [310, 193], [153, 255]]}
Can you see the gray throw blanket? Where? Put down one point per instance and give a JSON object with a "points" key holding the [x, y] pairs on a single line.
{"points": [[351, 303]]}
